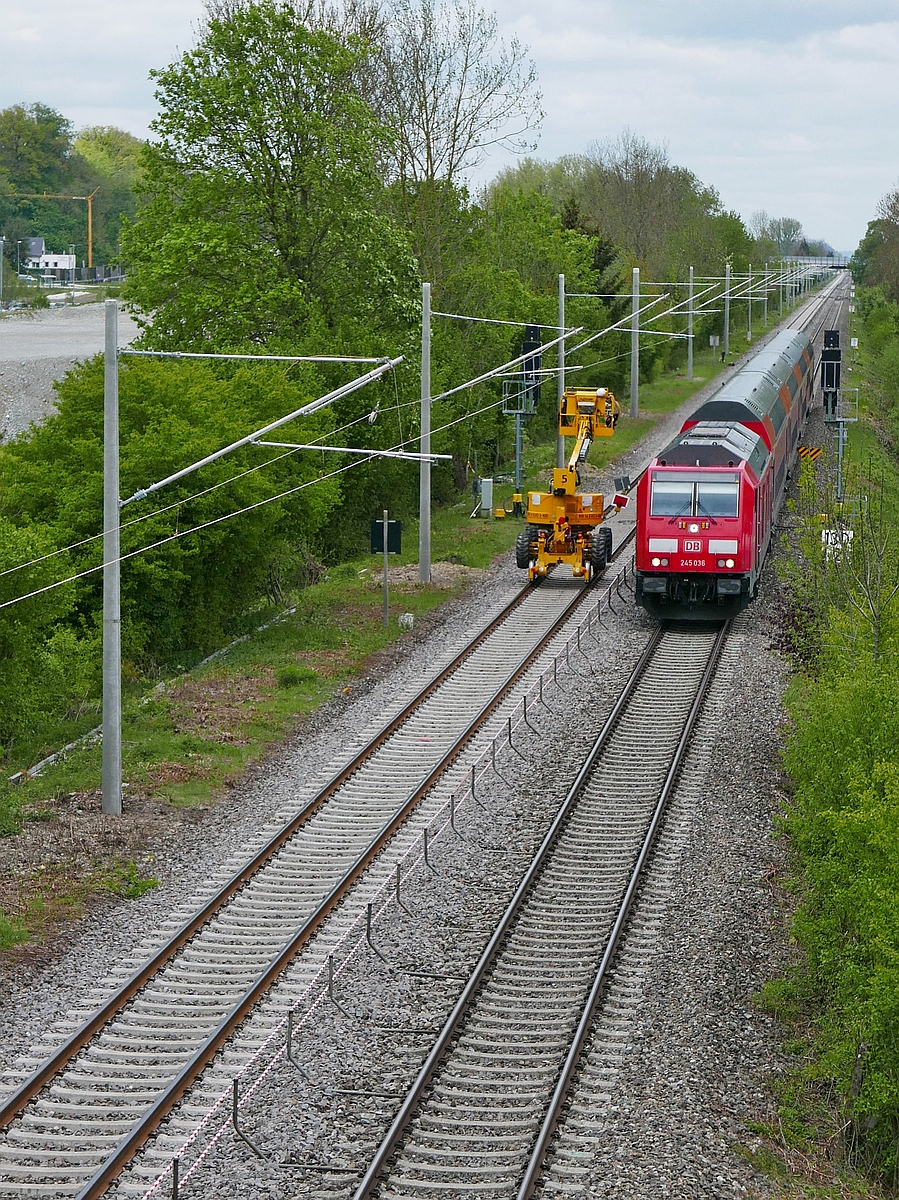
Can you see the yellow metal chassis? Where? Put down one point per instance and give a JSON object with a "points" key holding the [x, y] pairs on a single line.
{"points": [[565, 523]]}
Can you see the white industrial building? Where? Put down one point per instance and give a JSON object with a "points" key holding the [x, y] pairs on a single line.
{"points": [[51, 262]]}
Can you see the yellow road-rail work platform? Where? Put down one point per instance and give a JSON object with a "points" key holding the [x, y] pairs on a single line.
{"points": [[564, 525]]}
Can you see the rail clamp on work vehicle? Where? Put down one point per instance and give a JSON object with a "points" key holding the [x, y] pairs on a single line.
{"points": [[565, 525]]}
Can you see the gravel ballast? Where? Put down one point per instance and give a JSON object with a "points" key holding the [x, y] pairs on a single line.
{"points": [[700, 1052]]}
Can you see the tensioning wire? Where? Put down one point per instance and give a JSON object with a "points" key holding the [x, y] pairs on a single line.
{"points": [[227, 516]]}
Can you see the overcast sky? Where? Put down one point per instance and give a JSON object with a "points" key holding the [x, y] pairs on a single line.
{"points": [[787, 105]]}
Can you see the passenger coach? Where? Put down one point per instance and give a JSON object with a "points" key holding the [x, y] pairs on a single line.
{"points": [[706, 507]]}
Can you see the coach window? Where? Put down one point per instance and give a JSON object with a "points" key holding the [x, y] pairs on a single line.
{"points": [[717, 499], [671, 498]]}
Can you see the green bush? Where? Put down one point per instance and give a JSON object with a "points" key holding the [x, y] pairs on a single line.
{"points": [[843, 758], [291, 677]]}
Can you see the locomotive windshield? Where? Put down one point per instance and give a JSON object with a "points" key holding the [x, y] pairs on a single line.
{"points": [[717, 499], [694, 497], [671, 498]]}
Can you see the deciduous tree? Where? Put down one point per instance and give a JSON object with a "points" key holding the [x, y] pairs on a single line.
{"points": [[264, 219]]}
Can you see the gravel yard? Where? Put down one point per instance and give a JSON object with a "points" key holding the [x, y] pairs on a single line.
{"points": [[37, 348]]}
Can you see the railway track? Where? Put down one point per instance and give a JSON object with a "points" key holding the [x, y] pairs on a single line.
{"points": [[480, 1117], [86, 1110]]}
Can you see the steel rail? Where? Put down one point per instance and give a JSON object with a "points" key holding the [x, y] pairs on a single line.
{"points": [[560, 1095], [19, 1099], [175, 1090], [432, 1062]]}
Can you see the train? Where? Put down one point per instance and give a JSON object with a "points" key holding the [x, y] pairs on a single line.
{"points": [[706, 507]]}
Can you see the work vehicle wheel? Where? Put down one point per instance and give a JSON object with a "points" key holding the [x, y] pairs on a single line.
{"points": [[523, 549], [600, 551]]}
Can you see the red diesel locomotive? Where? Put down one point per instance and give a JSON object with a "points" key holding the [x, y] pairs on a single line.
{"points": [[706, 507]]}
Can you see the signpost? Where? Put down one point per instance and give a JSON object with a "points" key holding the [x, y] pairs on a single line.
{"points": [[386, 537]]}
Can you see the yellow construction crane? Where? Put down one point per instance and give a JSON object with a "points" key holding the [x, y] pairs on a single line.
{"points": [[564, 525], [54, 196]]}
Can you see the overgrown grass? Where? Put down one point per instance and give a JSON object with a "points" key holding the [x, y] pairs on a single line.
{"points": [[669, 392], [184, 744], [841, 998]]}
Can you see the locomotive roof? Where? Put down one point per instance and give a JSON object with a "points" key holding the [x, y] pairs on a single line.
{"points": [[713, 444], [754, 392]]}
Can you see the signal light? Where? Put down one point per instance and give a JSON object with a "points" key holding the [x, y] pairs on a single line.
{"points": [[720, 562]]}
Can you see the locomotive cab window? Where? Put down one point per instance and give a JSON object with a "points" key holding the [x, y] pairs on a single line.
{"points": [[671, 498], [695, 496], [717, 499]]}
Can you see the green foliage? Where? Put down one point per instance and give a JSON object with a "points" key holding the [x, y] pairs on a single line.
{"points": [[261, 220], [843, 757], [291, 677], [10, 811], [112, 152], [12, 932], [35, 141], [42, 663], [190, 594], [657, 213], [126, 881], [39, 154], [876, 261]]}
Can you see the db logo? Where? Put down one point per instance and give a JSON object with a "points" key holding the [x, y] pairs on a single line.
{"points": [[692, 547]]}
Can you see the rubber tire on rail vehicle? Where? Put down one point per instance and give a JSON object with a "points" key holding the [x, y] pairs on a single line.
{"points": [[526, 547], [600, 549]]}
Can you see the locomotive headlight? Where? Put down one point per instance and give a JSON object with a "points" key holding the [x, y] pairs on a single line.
{"points": [[729, 562], [694, 528], [664, 562], [720, 562], [656, 562]]}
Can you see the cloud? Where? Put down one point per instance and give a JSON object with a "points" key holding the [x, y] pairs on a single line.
{"points": [[92, 62], [787, 107], [783, 107]]}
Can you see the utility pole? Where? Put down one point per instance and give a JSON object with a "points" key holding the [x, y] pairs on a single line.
{"points": [[726, 310], [424, 485], [2, 244], [635, 343], [112, 618], [560, 382], [749, 307], [690, 327], [765, 309]]}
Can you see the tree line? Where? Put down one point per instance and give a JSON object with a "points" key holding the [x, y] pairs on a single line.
{"points": [[40, 152], [306, 171]]}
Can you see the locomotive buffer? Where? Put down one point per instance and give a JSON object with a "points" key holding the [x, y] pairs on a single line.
{"points": [[564, 525]]}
